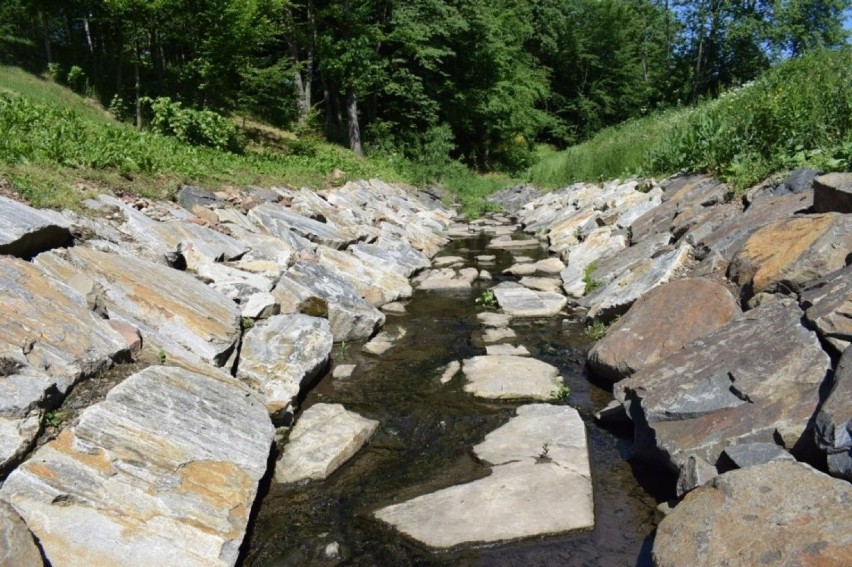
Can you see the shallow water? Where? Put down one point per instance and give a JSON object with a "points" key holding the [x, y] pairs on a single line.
{"points": [[424, 443]]}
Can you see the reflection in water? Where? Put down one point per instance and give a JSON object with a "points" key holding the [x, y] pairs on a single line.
{"points": [[424, 443]]}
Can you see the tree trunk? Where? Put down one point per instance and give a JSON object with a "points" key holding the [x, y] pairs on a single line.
{"points": [[354, 128], [88, 31], [45, 30], [137, 85]]}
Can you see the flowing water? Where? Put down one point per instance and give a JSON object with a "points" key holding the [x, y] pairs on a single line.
{"points": [[424, 444]]}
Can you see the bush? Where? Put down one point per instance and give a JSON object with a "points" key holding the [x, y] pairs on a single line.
{"points": [[76, 79], [194, 127]]}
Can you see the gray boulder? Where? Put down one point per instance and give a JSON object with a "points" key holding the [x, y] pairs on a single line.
{"points": [[834, 421], [828, 307], [17, 548], [518, 301], [510, 377], [25, 231], [833, 193]]}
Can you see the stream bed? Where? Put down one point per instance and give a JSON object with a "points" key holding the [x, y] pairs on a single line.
{"points": [[424, 443]]}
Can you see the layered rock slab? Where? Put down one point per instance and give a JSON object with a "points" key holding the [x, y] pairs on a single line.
{"points": [[828, 307], [25, 231], [281, 355], [756, 379], [164, 471], [17, 548], [526, 495], [660, 323], [324, 437], [834, 420], [518, 301], [779, 513], [510, 377]]}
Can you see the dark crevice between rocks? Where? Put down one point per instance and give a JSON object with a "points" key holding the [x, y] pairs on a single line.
{"points": [[262, 491], [35, 243]]}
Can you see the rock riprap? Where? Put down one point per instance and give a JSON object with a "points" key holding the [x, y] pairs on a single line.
{"points": [[282, 355], [25, 231], [540, 484], [828, 307], [834, 420], [510, 377], [660, 323], [780, 513], [324, 437], [164, 471], [17, 548], [518, 301]]}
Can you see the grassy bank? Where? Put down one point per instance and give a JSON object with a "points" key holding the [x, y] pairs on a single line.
{"points": [[797, 114]]}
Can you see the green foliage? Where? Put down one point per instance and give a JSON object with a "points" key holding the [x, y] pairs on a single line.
{"points": [[544, 454], [342, 351], [161, 356], [486, 299], [588, 278], [53, 418], [77, 80], [596, 330], [560, 394], [246, 323], [194, 127]]}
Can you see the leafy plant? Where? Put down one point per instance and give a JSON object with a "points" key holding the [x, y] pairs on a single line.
{"points": [[342, 351], [596, 330], [544, 454], [194, 127], [560, 394], [486, 299], [588, 279], [161, 356], [246, 323], [53, 418]]}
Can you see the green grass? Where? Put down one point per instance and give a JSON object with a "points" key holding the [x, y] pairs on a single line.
{"points": [[797, 114]]}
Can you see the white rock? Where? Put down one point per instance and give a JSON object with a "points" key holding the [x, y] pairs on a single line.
{"points": [[384, 341], [491, 319], [518, 301], [495, 335], [450, 371], [506, 350], [510, 377]]}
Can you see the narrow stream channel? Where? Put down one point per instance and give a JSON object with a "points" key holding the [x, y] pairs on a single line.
{"points": [[424, 444]]}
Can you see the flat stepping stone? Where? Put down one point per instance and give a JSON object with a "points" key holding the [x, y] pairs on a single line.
{"points": [[507, 350], [447, 279], [486, 259], [540, 476], [324, 437], [498, 334], [523, 259], [450, 371], [551, 285], [384, 341], [343, 371], [445, 261], [396, 308], [510, 377], [518, 301], [500, 243], [491, 319]]}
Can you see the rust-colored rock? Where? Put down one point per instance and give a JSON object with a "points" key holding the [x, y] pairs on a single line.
{"points": [[787, 254], [660, 323]]}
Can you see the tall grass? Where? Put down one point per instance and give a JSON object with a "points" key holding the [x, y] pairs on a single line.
{"points": [[798, 113]]}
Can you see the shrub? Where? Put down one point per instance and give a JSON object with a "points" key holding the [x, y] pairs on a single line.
{"points": [[76, 79], [194, 127]]}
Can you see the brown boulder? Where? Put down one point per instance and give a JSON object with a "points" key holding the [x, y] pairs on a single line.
{"points": [[828, 307], [660, 323], [787, 254], [780, 513], [833, 192]]}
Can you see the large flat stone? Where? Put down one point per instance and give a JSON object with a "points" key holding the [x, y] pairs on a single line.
{"points": [[660, 323], [17, 548], [447, 279], [828, 307], [190, 321], [350, 316], [510, 377], [756, 379], [376, 285], [164, 471], [780, 513], [787, 254], [681, 193], [281, 355], [518, 301], [599, 243], [25, 231], [526, 495], [397, 257], [278, 219], [833, 193], [834, 421], [324, 437]]}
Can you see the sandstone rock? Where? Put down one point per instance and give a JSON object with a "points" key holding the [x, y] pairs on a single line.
{"points": [[283, 354], [609, 266], [191, 322], [544, 494], [616, 297], [755, 380], [351, 318], [679, 194], [24, 231], [163, 471], [490, 319], [324, 437], [694, 472], [510, 377], [377, 286], [599, 243], [450, 371], [277, 219], [780, 513], [833, 193], [660, 323], [397, 257], [834, 420], [446, 279], [384, 341], [17, 548], [787, 254], [828, 307], [506, 350], [518, 301]]}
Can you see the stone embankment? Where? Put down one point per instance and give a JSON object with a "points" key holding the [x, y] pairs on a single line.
{"points": [[728, 349], [229, 303]]}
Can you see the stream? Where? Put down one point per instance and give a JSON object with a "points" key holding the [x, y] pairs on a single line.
{"points": [[424, 444]]}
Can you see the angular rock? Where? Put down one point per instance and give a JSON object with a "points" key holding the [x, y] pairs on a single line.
{"points": [[164, 471], [551, 285], [485, 276], [343, 371], [828, 307], [756, 379], [780, 513], [324, 437], [190, 196], [377, 286], [694, 472], [446, 261], [397, 257], [490, 319], [682, 193], [384, 341], [351, 318], [191, 322], [283, 354], [785, 255], [599, 243], [506, 243], [547, 494], [510, 377], [518, 301], [486, 259], [506, 350], [237, 285], [25, 231], [395, 307], [450, 371], [278, 219], [834, 421], [660, 323], [447, 279], [572, 230], [495, 335], [609, 266], [260, 305], [17, 548], [616, 297], [751, 454], [131, 335], [833, 193]]}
